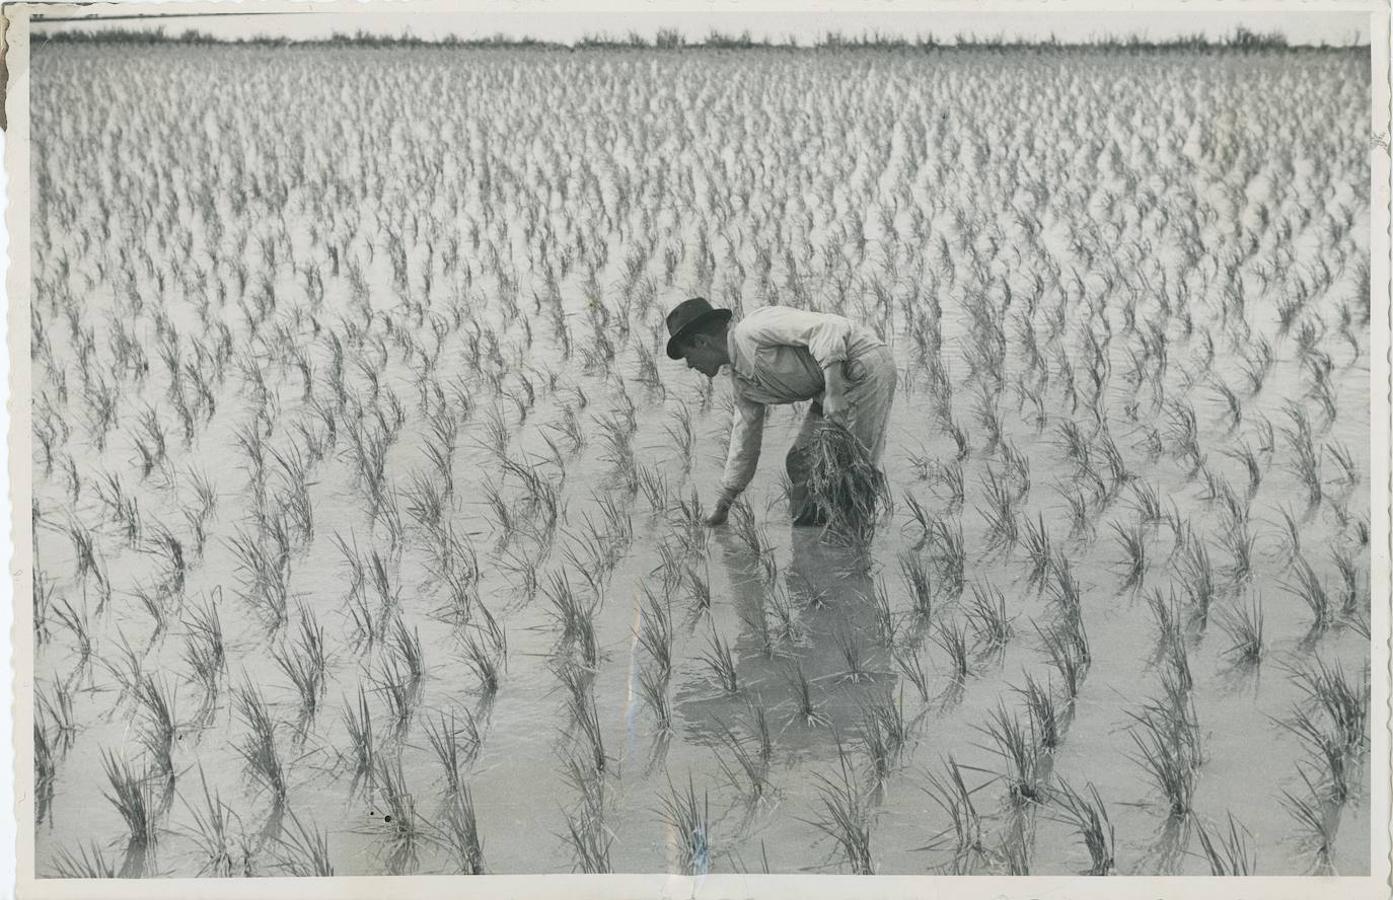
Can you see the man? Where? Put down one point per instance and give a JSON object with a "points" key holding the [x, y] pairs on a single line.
{"points": [[778, 354]]}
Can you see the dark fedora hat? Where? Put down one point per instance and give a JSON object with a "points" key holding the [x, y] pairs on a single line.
{"points": [[687, 318]]}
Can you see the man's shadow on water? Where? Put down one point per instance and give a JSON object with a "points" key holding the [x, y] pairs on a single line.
{"points": [[806, 653]]}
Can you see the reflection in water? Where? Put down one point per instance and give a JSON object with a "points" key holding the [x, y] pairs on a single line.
{"points": [[806, 654]]}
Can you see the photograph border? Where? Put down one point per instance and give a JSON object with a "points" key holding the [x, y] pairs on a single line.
{"points": [[577, 887]]}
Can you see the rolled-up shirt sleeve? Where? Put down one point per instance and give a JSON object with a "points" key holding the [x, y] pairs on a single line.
{"points": [[746, 436], [825, 335]]}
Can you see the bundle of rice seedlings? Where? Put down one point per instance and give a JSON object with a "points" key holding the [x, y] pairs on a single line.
{"points": [[847, 490]]}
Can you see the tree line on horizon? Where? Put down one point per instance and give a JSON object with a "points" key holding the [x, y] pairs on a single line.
{"points": [[671, 39]]}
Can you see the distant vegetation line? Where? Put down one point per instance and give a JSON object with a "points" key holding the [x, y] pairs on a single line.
{"points": [[671, 39]]}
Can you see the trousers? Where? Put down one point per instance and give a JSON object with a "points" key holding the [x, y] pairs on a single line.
{"points": [[870, 378]]}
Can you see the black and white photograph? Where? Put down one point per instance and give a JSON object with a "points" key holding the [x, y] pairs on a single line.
{"points": [[750, 448]]}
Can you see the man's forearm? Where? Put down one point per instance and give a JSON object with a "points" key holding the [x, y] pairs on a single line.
{"points": [[834, 391]]}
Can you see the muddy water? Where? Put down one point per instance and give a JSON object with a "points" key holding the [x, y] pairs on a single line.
{"points": [[519, 787]]}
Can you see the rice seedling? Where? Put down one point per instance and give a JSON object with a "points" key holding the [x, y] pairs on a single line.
{"points": [[1311, 590], [456, 744], [912, 668], [853, 655], [719, 660], [160, 731], [458, 833], [1168, 751], [89, 862], [1349, 469], [1345, 703], [258, 750], [400, 824], [914, 570], [806, 710], [690, 827], [57, 709], [580, 702], [1081, 522], [1067, 649], [1244, 626], [1045, 719], [304, 664], [846, 815], [655, 633], [948, 542], [750, 772], [986, 613], [1317, 823], [1089, 818], [1146, 502], [653, 690], [1197, 573], [486, 655], [953, 640], [884, 735], [653, 484], [44, 773], [362, 741], [1327, 749], [1000, 513], [304, 851], [1036, 540], [131, 795], [1245, 455], [1132, 540], [1020, 749], [1227, 853], [589, 838], [952, 795], [212, 831]]}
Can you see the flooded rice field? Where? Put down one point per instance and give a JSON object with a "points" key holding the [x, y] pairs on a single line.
{"points": [[367, 506]]}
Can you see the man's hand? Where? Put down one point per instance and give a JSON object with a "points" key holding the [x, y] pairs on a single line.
{"points": [[719, 514]]}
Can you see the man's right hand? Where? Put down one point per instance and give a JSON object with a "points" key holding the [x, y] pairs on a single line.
{"points": [[719, 514]]}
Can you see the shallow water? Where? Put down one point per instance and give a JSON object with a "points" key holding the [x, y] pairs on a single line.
{"points": [[678, 167]]}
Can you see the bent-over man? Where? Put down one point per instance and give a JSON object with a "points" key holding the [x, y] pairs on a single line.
{"points": [[778, 354]]}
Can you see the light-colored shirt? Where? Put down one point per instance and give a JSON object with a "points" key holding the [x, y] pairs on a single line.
{"points": [[777, 355]]}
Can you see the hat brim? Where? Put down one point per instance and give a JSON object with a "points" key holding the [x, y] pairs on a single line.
{"points": [[694, 325]]}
